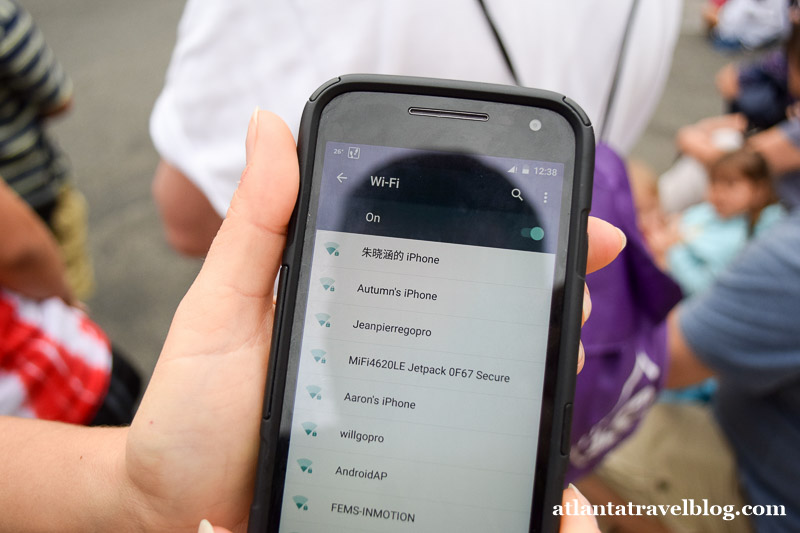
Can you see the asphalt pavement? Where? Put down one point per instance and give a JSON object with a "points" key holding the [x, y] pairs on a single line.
{"points": [[117, 54]]}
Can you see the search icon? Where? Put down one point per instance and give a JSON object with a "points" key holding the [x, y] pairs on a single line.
{"points": [[516, 193]]}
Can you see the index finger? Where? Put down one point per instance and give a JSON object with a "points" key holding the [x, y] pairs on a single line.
{"points": [[606, 241]]}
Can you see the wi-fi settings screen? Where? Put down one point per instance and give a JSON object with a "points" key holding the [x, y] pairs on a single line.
{"points": [[422, 361]]}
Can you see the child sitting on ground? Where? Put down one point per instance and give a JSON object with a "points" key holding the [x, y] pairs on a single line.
{"points": [[708, 236]]}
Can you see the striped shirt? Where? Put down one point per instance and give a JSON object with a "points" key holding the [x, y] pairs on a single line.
{"points": [[32, 83]]}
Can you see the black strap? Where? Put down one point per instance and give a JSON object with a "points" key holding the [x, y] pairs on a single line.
{"points": [[500, 43], [612, 93], [623, 47]]}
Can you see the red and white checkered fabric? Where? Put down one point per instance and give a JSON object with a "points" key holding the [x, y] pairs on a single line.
{"points": [[55, 363]]}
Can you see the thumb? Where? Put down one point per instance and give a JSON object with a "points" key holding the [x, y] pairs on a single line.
{"points": [[246, 253], [206, 527], [576, 522]]}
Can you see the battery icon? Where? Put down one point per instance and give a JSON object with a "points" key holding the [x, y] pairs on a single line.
{"points": [[526, 169]]}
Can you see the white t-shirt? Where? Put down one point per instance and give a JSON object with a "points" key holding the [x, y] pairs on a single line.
{"points": [[235, 55], [754, 23]]}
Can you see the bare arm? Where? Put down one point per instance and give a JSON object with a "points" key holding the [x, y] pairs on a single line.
{"points": [[781, 154], [684, 366], [696, 141], [190, 222], [727, 81], [83, 466], [30, 261]]}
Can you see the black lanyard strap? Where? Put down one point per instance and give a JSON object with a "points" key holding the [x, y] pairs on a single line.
{"points": [[612, 93], [500, 44]]}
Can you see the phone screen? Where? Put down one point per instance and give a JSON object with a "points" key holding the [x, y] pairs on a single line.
{"points": [[426, 311]]}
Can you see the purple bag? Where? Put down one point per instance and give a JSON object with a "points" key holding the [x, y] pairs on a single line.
{"points": [[625, 337]]}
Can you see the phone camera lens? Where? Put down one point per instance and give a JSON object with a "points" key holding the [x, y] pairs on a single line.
{"points": [[535, 124]]}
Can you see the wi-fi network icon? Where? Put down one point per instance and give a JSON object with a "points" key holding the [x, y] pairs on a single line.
{"points": [[327, 284], [305, 465], [332, 248], [310, 428], [300, 502], [323, 319], [314, 392], [319, 356]]}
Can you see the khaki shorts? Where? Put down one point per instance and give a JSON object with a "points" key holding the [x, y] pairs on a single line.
{"points": [[679, 452], [69, 223]]}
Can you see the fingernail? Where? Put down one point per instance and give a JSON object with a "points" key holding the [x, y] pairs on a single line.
{"points": [[587, 304], [580, 496], [205, 527], [624, 239], [252, 130], [581, 357]]}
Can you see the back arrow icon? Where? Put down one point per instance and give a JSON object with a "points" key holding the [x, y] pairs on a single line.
{"points": [[341, 177]]}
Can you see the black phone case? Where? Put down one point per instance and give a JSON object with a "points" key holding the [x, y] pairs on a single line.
{"points": [[554, 451]]}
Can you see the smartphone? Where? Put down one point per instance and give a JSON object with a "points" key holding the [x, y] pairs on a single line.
{"points": [[426, 331]]}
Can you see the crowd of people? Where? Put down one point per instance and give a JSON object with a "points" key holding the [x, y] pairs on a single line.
{"points": [[723, 222], [690, 387]]}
